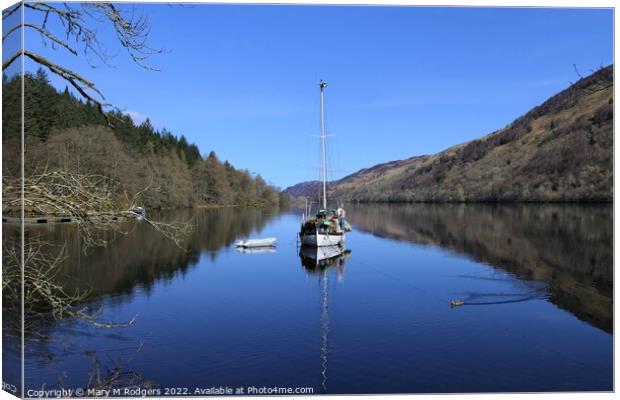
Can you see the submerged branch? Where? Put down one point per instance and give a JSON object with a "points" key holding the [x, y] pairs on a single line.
{"points": [[43, 295]]}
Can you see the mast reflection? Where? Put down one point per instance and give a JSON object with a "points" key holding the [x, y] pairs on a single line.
{"points": [[317, 261]]}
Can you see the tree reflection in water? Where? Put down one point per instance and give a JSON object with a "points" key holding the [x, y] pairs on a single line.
{"points": [[137, 258], [144, 257], [567, 246]]}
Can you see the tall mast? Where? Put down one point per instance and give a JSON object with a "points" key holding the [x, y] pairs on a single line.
{"points": [[323, 85]]}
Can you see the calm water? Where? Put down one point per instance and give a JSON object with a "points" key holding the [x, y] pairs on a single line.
{"points": [[536, 281]]}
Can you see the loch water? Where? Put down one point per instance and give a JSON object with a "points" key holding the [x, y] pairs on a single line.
{"points": [[536, 282]]}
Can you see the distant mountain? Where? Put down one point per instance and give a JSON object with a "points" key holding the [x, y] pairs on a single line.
{"points": [[307, 189], [562, 150]]}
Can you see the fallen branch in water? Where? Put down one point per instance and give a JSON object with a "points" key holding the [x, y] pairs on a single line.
{"points": [[119, 376], [87, 199], [93, 319]]}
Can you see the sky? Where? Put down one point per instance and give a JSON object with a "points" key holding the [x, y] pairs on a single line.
{"points": [[242, 80]]}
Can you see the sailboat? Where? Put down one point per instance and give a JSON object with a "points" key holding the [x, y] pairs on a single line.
{"points": [[328, 226]]}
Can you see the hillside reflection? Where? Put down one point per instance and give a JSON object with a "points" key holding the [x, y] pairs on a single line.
{"points": [[570, 247], [143, 256]]}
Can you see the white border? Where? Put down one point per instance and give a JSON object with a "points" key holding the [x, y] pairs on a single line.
{"points": [[478, 3]]}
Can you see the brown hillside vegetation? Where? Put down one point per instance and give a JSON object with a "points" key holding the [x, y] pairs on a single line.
{"points": [[561, 150]]}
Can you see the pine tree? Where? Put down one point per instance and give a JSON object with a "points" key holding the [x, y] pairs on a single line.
{"points": [[64, 132]]}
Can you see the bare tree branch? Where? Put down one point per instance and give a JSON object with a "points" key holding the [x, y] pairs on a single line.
{"points": [[84, 198], [577, 71], [44, 33], [81, 84], [131, 30], [11, 59], [9, 11], [591, 89]]}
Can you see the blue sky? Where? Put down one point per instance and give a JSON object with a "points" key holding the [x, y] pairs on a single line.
{"points": [[242, 79]]}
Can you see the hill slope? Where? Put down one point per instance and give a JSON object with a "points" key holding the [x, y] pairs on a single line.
{"points": [[561, 150], [307, 189]]}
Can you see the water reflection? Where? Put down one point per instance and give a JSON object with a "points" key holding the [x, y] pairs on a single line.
{"points": [[388, 328], [137, 257], [143, 256], [324, 322], [569, 247], [256, 250], [318, 260]]}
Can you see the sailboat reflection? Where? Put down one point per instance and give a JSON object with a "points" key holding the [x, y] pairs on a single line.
{"points": [[318, 260]]}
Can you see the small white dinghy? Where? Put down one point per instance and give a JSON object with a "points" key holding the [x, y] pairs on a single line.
{"points": [[250, 243]]}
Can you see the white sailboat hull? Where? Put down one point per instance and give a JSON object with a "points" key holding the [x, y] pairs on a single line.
{"points": [[320, 240]]}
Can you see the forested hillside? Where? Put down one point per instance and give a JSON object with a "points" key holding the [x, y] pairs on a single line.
{"points": [[562, 150], [308, 188], [65, 133]]}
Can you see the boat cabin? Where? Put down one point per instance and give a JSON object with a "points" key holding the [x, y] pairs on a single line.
{"points": [[325, 222]]}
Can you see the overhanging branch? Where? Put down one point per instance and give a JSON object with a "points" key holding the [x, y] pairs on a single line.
{"points": [[44, 32], [9, 11]]}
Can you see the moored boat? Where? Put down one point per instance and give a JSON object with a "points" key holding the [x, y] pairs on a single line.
{"points": [[328, 226]]}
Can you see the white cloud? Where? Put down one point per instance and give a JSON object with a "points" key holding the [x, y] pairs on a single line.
{"points": [[137, 117]]}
